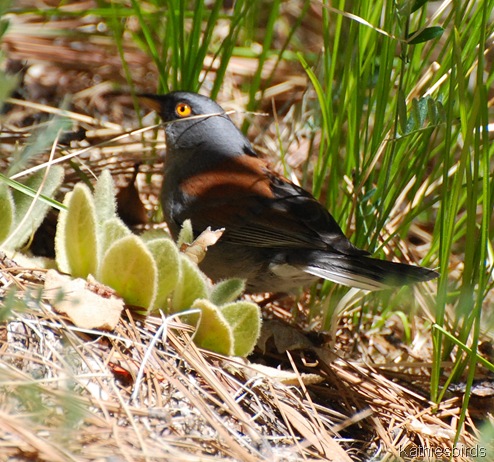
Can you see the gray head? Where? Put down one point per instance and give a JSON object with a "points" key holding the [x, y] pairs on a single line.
{"points": [[196, 123]]}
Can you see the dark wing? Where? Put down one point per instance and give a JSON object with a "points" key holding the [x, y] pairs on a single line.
{"points": [[261, 209]]}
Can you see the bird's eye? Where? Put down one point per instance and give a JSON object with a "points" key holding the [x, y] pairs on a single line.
{"points": [[183, 110]]}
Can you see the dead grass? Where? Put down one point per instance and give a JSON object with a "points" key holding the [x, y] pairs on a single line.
{"points": [[146, 392]]}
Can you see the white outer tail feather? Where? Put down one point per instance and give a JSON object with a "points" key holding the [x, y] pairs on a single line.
{"points": [[349, 279]]}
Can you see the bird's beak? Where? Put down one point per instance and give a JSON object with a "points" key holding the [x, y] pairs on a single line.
{"points": [[150, 101]]}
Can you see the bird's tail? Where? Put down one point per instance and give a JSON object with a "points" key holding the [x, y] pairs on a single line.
{"points": [[367, 273]]}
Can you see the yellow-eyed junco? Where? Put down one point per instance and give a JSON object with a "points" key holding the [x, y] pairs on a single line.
{"points": [[277, 235]]}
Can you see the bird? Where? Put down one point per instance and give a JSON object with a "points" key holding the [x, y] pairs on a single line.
{"points": [[277, 236]]}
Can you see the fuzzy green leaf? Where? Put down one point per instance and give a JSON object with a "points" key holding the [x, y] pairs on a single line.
{"points": [[39, 142], [23, 203], [167, 259], [244, 319], [76, 241], [23, 189], [7, 210], [104, 197], [213, 331], [129, 268], [186, 235], [227, 291], [154, 233], [111, 231], [191, 285]]}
